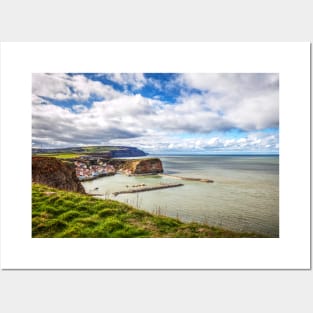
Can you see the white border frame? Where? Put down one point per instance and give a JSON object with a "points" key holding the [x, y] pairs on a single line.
{"points": [[290, 251]]}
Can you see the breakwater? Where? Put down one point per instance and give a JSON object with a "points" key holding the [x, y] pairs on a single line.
{"points": [[203, 180], [147, 188]]}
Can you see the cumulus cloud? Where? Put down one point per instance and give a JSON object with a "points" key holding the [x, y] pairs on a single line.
{"points": [[163, 143], [64, 87], [134, 80], [56, 126], [233, 83], [245, 101], [206, 103]]}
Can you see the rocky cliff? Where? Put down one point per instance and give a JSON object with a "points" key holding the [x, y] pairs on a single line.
{"points": [[147, 166], [138, 166], [122, 152], [55, 173]]}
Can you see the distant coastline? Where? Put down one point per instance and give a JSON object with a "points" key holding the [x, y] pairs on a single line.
{"points": [[245, 185], [210, 154]]}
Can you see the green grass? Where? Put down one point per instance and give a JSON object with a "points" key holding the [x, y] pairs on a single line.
{"points": [[85, 151], [73, 215], [99, 149], [59, 155]]}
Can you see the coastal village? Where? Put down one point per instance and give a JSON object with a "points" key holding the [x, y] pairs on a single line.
{"points": [[86, 171], [92, 166], [89, 167]]}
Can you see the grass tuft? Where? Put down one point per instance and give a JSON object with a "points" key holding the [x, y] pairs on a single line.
{"points": [[107, 212], [69, 215], [72, 215]]}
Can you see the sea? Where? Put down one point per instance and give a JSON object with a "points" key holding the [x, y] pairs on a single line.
{"points": [[243, 197]]}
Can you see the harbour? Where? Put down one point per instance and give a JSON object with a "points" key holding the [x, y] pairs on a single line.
{"points": [[243, 197]]}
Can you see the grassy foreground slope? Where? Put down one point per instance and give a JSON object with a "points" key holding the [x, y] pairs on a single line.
{"points": [[57, 213]]}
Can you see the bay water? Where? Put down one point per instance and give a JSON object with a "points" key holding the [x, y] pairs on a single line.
{"points": [[243, 197]]}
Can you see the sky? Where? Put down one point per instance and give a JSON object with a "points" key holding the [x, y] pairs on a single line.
{"points": [[160, 113]]}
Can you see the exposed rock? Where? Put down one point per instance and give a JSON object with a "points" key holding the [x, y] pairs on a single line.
{"points": [[146, 166], [55, 173], [138, 166]]}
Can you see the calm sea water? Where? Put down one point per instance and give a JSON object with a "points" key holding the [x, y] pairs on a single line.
{"points": [[243, 197]]}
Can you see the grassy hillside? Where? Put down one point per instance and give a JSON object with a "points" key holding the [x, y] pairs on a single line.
{"points": [[68, 153], [57, 213], [65, 153], [59, 155]]}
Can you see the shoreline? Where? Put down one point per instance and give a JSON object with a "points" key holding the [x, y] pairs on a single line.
{"points": [[202, 180], [105, 218], [95, 177]]}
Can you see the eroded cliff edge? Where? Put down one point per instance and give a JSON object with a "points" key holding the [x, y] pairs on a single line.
{"points": [[138, 166], [55, 173]]}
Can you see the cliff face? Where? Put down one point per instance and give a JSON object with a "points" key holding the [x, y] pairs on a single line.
{"points": [[127, 152], [148, 166], [138, 166], [55, 173]]}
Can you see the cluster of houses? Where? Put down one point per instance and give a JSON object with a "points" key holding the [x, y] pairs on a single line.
{"points": [[84, 170]]}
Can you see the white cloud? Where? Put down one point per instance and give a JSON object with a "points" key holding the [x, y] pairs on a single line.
{"points": [[167, 142], [64, 87], [245, 101], [135, 80], [38, 100], [79, 108], [57, 126], [243, 84], [51, 85]]}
